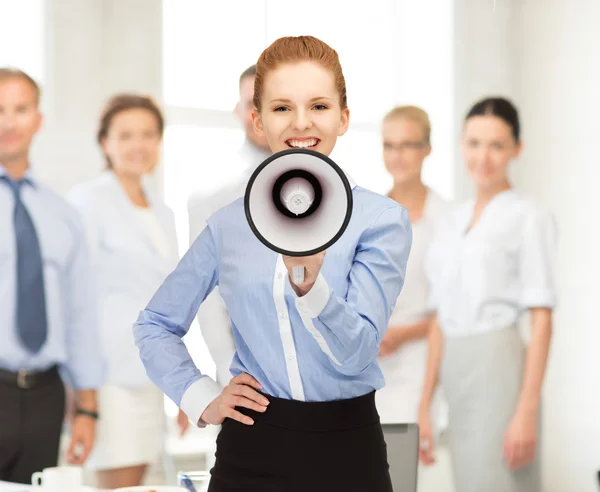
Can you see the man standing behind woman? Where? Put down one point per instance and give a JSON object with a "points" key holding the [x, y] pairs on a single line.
{"points": [[133, 247], [215, 324], [403, 352], [47, 307]]}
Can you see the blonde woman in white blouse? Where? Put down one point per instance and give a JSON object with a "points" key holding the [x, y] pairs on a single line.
{"points": [[490, 263], [406, 133]]}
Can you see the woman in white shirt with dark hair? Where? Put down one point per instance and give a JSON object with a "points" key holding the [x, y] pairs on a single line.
{"points": [[406, 135], [134, 247], [490, 263]]}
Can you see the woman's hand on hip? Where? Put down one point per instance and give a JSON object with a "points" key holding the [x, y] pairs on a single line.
{"points": [[240, 392]]}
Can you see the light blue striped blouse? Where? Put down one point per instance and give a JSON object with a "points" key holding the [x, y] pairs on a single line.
{"points": [[319, 347]]}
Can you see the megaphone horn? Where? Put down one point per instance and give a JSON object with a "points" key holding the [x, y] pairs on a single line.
{"points": [[298, 202]]}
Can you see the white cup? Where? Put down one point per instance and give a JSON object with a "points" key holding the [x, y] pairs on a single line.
{"points": [[58, 479]]}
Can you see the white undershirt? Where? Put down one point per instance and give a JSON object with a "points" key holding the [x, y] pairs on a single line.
{"points": [[153, 229], [404, 371]]}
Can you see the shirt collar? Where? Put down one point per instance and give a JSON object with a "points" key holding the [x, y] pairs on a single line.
{"points": [[28, 178], [253, 155], [350, 180], [110, 176]]}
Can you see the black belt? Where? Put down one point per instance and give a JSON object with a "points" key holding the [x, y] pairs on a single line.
{"points": [[30, 379]]}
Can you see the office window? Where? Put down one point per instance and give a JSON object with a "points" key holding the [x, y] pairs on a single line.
{"points": [[206, 47], [22, 36]]}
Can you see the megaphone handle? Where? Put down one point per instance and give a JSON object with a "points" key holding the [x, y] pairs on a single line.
{"points": [[298, 274]]}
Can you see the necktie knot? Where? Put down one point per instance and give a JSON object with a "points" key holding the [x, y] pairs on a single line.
{"points": [[15, 186]]}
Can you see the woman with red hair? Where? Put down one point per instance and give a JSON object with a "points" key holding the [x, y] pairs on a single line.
{"points": [[299, 413]]}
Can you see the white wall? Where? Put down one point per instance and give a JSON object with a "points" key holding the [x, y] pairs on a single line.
{"points": [[424, 67], [559, 97], [93, 49], [485, 51]]}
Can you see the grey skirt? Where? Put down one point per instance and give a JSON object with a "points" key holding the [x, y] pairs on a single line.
{"points": [[481, 376]]}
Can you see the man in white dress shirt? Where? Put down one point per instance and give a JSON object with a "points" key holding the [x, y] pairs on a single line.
{"points": [[213, 317]]}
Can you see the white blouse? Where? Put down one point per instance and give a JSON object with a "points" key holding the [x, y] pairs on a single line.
{"points": [[132, 250], [486, 278], [404, 371]]}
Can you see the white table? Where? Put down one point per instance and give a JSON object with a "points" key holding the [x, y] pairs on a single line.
{"points": [[19, 487], [14, 487]]}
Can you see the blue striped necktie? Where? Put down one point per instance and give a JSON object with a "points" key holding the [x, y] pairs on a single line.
{"points": [[31, 319]]}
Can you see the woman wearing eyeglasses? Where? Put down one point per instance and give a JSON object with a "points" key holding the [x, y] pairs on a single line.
{"points": [[403, 352]]}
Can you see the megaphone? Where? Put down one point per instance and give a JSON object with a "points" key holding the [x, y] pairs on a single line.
{"points": [[298, 202]]}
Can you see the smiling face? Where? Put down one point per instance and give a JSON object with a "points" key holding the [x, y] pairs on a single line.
{"points": [[405, 147], [132, 143], [488, 146], [20, 118], [300, 108]]}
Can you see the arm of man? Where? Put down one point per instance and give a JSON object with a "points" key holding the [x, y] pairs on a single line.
{"points": [[85, 366]]}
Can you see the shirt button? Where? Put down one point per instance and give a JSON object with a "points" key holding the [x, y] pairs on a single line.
{"points": [[290, 357], [282, 315], [279, 275]]}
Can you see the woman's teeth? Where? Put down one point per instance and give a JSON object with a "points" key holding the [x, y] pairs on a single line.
{"points": [[302, 144]]}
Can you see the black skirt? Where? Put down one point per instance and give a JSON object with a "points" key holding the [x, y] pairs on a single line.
{"points": [[304, 447]]}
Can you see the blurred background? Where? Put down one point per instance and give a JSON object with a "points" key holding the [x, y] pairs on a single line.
{"points": [[441, 55]]}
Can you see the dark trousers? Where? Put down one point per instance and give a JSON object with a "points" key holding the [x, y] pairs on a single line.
{"points": [[30, 427]]}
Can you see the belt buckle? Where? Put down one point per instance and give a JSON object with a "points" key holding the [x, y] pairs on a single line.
{"points": [[22, 379]]}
